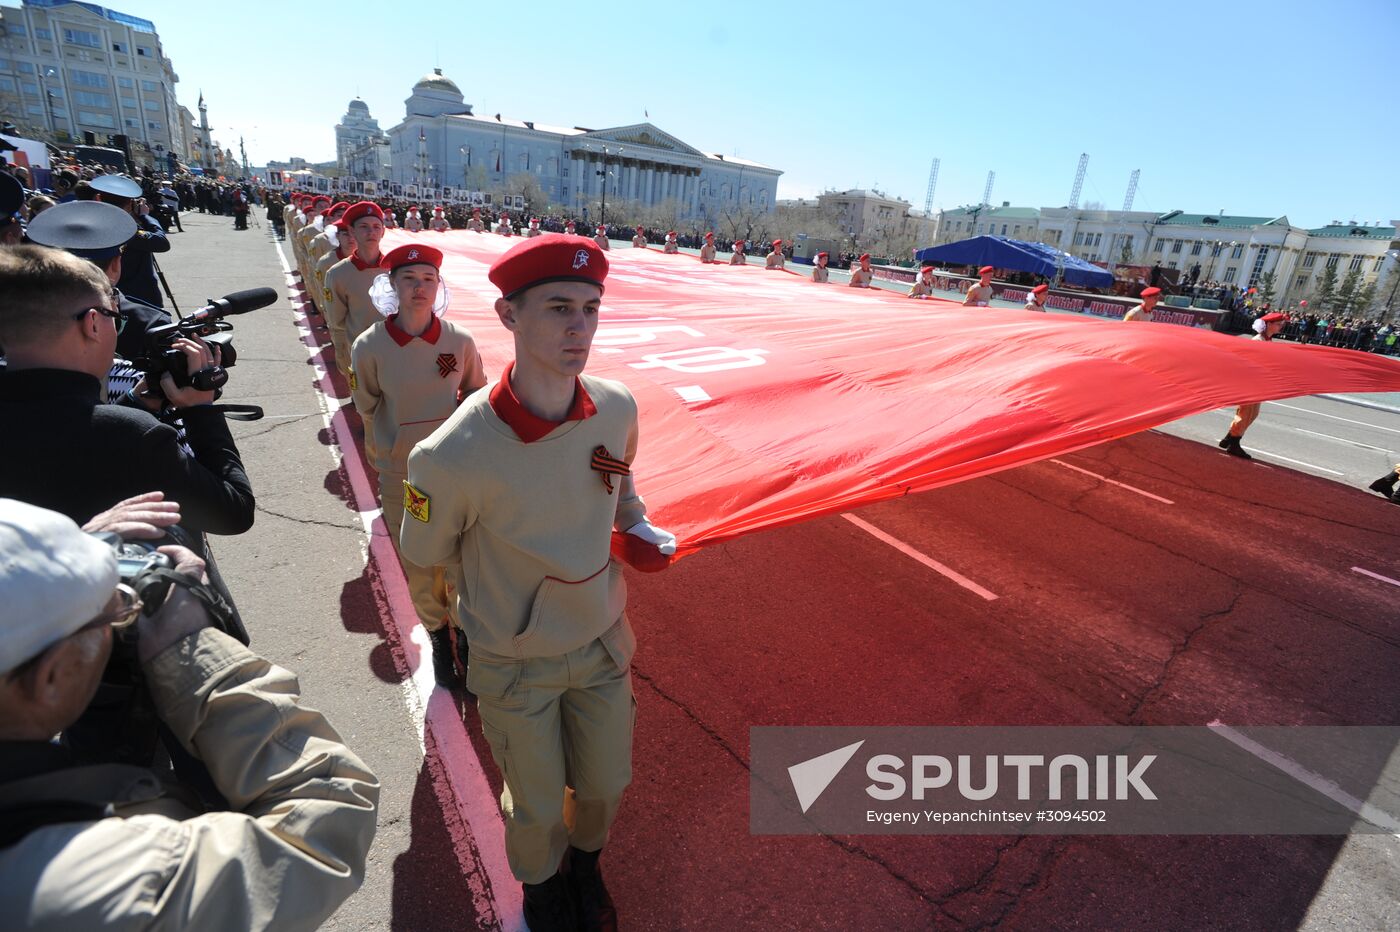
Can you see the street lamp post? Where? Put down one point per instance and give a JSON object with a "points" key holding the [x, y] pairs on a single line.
{"points": [[603, 208]]}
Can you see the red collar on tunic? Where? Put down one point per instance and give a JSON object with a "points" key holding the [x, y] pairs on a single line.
{"points": [[403, 339], [360, 263], [527, 425]]}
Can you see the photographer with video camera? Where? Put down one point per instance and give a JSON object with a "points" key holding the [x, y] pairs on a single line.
{"points": [[116, 846], [70, 452]]}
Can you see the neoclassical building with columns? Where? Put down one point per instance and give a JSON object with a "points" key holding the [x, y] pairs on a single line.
{"points": [[442, 143]]}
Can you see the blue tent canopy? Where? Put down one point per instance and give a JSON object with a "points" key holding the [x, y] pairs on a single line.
{"points": [[1019, 256]]}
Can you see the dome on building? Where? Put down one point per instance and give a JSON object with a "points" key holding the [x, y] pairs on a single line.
{"points": [[437, 82], [358, 104]]}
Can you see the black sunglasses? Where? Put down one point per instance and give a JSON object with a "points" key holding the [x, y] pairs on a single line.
{"points": [[117, 316]]}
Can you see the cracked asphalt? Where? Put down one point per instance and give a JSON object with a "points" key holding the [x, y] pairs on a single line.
{"points": [[1238, 602]]}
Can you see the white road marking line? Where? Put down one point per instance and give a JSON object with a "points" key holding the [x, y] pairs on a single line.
{"points": [[913, 554], [1385, 579], [1334, 417], [439, 728], [1297, 462], [1121, 485], [1367, 812], [692, 393], [1355, 443]]}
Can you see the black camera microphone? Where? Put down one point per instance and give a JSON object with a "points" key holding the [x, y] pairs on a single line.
{"points": [[240, 302]]}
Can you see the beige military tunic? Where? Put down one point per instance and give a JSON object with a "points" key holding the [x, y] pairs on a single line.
{"points": [[349, 311]]}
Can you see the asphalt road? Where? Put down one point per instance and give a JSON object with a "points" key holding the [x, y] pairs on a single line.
{"points": [[1152, 580]]}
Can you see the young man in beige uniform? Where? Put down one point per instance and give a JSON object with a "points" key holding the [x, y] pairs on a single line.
{"points": [[528, 488], [534, 229], [639, 240], [738, 257], [600, 238], [861, 275], [819, 270], [349, 311], [670, 247], [1143, 310], [775, 259], [475, 224], [309, 231], [344, 246], [321, 243], [411, 370], [923, 285], [503, 225], [980, 294], [1035, 298], [1264, 330], [707, 251]]}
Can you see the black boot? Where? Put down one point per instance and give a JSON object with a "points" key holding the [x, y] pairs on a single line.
{"points": [[443, 670], [549, 906], [462, 657], [596, 912], [1232, 447], [1224, 443], [1385, 484]]}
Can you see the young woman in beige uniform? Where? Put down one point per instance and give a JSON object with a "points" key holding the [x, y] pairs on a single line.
{"points": [[861, 275], [819, 271], [1264, 330], [980, 294]]}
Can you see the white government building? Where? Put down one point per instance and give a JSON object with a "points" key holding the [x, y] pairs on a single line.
{"points": [[441, 143], [1234, 250]]}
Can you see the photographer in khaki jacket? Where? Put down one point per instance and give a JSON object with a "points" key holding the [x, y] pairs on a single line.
{"points": [[110, 846]]}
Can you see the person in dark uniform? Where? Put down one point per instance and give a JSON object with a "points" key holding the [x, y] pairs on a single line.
{"points": [[138, 262], [98, 232], [11, 205]]}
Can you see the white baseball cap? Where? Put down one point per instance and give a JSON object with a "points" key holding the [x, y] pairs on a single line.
{"points": [[53, 580]]}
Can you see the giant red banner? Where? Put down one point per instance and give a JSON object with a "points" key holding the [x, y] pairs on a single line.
{"points": [[767, 399]]}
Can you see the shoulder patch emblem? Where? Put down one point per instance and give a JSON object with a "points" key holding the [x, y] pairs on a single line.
{"points": [[416, 503], [326, 293], [350, 376]]}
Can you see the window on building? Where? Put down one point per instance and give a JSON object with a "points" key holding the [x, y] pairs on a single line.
{"points": [[1171, 264], [30, 89], [34, 110], [1215, 251], [1380, 260], [119, 47], [1016, 231], [153, 124], [89, 79], [89, 99], [97, 119], [150, 87], [1238, 251], [26, 67], [1333, 259], [16, 30], [142, 52], [1176, 247], [82, 37], [1160, 244], [129, 102], [152, 105], [1356, 261], [1230, 273], [7, 85], [1079, 239], [40, 33], [1309, 259], [132, 124], [1300, 282], [1003, 229], [1196, 248]]}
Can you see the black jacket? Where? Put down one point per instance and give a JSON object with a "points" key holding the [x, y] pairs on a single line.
{"points": [[138, 269], [67, 451], [140, 317]]}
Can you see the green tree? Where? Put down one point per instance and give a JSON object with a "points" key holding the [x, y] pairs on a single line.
{"points": [[1125, 255], [1366, 298], [1325, 293], [528, 186], [1266, 286], [1346, 294]]}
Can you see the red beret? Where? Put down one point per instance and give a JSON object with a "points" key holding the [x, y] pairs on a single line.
{"points": [[339, 205], [926, 268], [985, 270], [1151, 292], [639, 229], [710, 235], [475, 211], [1040, 289], [411, 254], [321, 199], [554, 257], [1276, 315], [863, 257], [823, 255], [670, 232], [777, 243], [362, 209]]}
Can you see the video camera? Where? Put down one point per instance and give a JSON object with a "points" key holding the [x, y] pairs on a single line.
{"points": [[160, 354]]}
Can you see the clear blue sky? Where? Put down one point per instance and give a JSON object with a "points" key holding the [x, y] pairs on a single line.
{"points": [[1282, 107]]}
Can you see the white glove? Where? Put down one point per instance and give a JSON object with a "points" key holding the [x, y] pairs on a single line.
{"points": [[662, 540]]}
